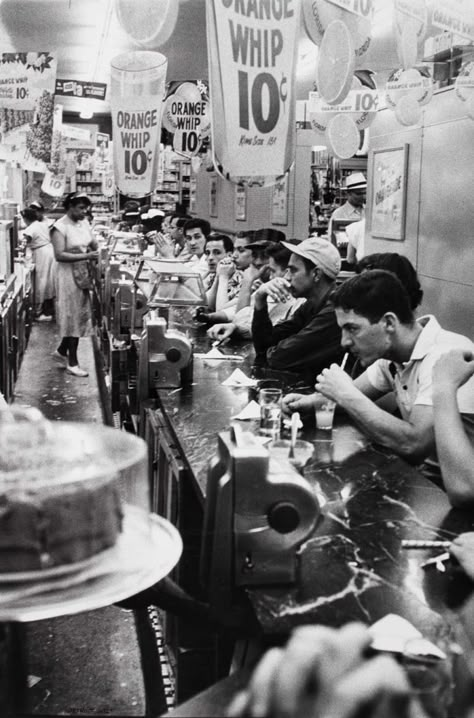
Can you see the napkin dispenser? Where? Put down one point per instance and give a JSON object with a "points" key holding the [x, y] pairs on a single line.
{"points": [[258, 512], [165, 357]]}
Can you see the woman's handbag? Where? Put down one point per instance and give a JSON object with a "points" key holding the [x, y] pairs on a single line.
{"points": [[81, 271]]}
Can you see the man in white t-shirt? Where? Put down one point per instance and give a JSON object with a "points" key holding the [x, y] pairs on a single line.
{"points": [[378, 327]]}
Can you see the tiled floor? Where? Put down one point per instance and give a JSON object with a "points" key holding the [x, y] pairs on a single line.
{"points": [[86, 664]]}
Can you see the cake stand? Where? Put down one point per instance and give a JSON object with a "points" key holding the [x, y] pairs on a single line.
{"points": [[147, 550]]}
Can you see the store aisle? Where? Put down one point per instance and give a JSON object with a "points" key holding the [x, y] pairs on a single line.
{"points": [[87, 664]]}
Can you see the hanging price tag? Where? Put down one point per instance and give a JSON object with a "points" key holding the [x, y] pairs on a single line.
{"points": [[363, 8], [365, 100], [54, 184]]}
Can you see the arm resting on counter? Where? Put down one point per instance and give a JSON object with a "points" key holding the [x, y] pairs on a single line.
{"points": [[413, 440]]}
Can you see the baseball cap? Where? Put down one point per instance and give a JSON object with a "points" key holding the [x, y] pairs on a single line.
{"points": [[320, 252], [356, 180], [36, 205]]}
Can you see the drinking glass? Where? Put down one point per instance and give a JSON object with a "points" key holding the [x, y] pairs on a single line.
{"points": [[324, 411], [270, 412]]}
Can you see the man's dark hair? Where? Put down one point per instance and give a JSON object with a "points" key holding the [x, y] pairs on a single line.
{"points": [[399, 265], [181, 220], [224, 238], [280, 255], [372, 294], [197, 223]]}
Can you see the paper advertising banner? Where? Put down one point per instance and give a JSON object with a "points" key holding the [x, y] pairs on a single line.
{"points": [[27, 82], [252, 54], [54, 182], [137, 90]]}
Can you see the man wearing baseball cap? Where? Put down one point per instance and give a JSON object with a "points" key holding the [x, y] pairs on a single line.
{"points": [[311, 337], [353, 208]]}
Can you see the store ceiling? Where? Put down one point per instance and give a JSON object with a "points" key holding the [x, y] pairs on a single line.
{"points": [[86, 34]]}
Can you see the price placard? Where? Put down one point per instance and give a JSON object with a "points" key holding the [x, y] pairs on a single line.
{"points": [[54, 184], [365, 100], [457, 17], [363, 8]]}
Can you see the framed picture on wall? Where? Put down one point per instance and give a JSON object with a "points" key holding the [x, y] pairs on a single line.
{"points": [[240, 200], [389, 182], [213, 196], [279, 214]]}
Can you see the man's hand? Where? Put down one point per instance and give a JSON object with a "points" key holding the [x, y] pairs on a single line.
{"points": [[453, 369], [462, 548], [297, 402], [336, 384], [225, 268], [322, 673], [164, 245], [278, 289], [221, 331]]}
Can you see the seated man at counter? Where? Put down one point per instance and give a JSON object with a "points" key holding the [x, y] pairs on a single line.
{"points": [[195, 231], [454, 434], [241, 325], [378, 326], [221, 286], [250, 263], [310, 339]]}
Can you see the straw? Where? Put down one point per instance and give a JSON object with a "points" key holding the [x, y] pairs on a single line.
{"points": [[425, 544], [344, 361]]}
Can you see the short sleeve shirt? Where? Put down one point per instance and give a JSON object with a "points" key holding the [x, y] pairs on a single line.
{"points": [[412, 380]]}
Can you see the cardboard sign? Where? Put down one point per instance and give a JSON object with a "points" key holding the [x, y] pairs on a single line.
{"points": [[76, 88], [454, 16], [253, 103], [27, 107], [54, 184], [365, 100], [363, 8]]}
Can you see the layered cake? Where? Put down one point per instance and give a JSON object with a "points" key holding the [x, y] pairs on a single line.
{"points": [[60, 490], [40, 531]]}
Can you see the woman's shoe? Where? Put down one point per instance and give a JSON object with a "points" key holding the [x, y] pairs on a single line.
{"points": [[76, 370], [60, 359]]}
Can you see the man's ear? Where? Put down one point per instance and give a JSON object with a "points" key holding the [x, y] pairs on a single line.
{"points": [[390, 322]]}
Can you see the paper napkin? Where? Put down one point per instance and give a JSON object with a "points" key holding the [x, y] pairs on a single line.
{"points": [[251, 411], [238, 378], [397, 635], [215, 355]]}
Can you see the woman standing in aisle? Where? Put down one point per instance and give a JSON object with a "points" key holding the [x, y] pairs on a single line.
{"points": [[39, 242], [73, 242]]}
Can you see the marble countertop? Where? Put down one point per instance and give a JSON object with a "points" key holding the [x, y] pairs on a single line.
{"points": [[352, 567]]}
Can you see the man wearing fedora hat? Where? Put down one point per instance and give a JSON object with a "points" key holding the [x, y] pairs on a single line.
{"points": [[353, 209], [311, 337]]}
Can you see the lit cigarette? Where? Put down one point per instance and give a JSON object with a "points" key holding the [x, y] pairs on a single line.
{"points": [[426, 544], [344, 361]]}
